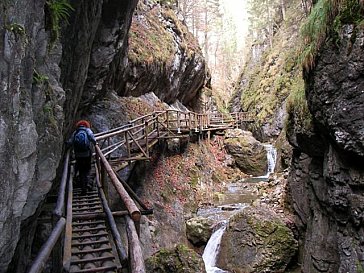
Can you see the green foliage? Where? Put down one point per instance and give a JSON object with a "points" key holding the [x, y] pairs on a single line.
{"points": [[59, 11], [326, 16], [16, 29], [359, 267], [314, 31], [299, 116], [39, 78]]}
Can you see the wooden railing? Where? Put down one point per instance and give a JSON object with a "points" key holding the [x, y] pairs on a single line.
{"points": [[131, 141], [136, 137]]}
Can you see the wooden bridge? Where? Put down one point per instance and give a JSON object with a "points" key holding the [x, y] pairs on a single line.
{"points": [[85, 237]]}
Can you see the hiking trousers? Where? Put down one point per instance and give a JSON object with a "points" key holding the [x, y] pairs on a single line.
{"points": [[83, 166]]}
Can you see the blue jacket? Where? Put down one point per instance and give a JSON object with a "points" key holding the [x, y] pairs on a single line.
{"points": [[90, 136]]}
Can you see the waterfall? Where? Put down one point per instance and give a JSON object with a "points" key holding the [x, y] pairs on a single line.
{"points": [[212, 250], [271, 159]]}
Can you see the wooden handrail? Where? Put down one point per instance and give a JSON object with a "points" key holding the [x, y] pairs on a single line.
{"points": [[129, 203], [172, 121], [59, 209], [114, 230], [41, 259], [136, 255]]}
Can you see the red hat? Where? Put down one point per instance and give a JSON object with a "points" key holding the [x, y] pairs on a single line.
{"points": [[83, 123]]}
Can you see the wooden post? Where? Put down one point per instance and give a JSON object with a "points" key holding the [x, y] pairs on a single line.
{"points": [[58, 213], [167, 120], [178, 122], [189, 121], [127, 143], [136, 254], [146, 131], [158, 132]]}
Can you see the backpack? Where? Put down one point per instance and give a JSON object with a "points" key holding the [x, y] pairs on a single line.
{"points": [[81, 143]]}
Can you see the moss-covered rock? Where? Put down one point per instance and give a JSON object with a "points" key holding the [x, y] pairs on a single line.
{"points": [[181, 259], [249, 154], [199, 230], [256, 240]]}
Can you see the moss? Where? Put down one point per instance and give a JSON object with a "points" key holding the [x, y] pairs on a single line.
{"points": [[194, 177], [299, 116], [151, 40], [326, 19], [181, 259]]}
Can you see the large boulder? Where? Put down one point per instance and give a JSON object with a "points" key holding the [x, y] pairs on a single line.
{"points": [[199, 230], [256, 240], [250, 155], [181, 259]]}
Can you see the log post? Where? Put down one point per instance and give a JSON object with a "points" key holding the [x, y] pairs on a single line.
{"points": [[146, 131], [178, 122], [136, 255], [127, 143]]}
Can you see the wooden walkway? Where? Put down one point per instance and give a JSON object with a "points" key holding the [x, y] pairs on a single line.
{"points": [[134, 140], [85, 238]]}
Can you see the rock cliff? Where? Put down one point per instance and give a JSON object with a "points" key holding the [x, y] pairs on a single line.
{"points": [[271, 73], [164, 58], [31, 117], [51, 73], [327, 174]]}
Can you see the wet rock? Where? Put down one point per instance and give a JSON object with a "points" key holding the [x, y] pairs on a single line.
{"points": [[181, 259], [199, 230], [249, 154], [256, 240]]}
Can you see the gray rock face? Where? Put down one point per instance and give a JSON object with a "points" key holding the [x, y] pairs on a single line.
{"points": [[32, 106], [171, 55], [256, 241], [95, 44], [327, 174], [336, 94], [249, 154], [31, 118]]}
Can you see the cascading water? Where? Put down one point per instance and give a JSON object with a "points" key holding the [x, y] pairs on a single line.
{"points": [[271, 159], [212, 250]]}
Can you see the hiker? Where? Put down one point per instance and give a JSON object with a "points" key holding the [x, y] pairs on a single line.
{"points": [[81, 141]]}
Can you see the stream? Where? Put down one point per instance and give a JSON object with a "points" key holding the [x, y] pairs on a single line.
{"points": [[236, 197]]}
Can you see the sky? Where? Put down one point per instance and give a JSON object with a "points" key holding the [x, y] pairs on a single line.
{"points": [[238, 11]]}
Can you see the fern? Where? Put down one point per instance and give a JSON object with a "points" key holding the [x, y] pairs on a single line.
{"points": [[60, 11]]}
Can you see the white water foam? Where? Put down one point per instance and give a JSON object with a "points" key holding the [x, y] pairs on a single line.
{"points": [[212, 250], [271, 159]]}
